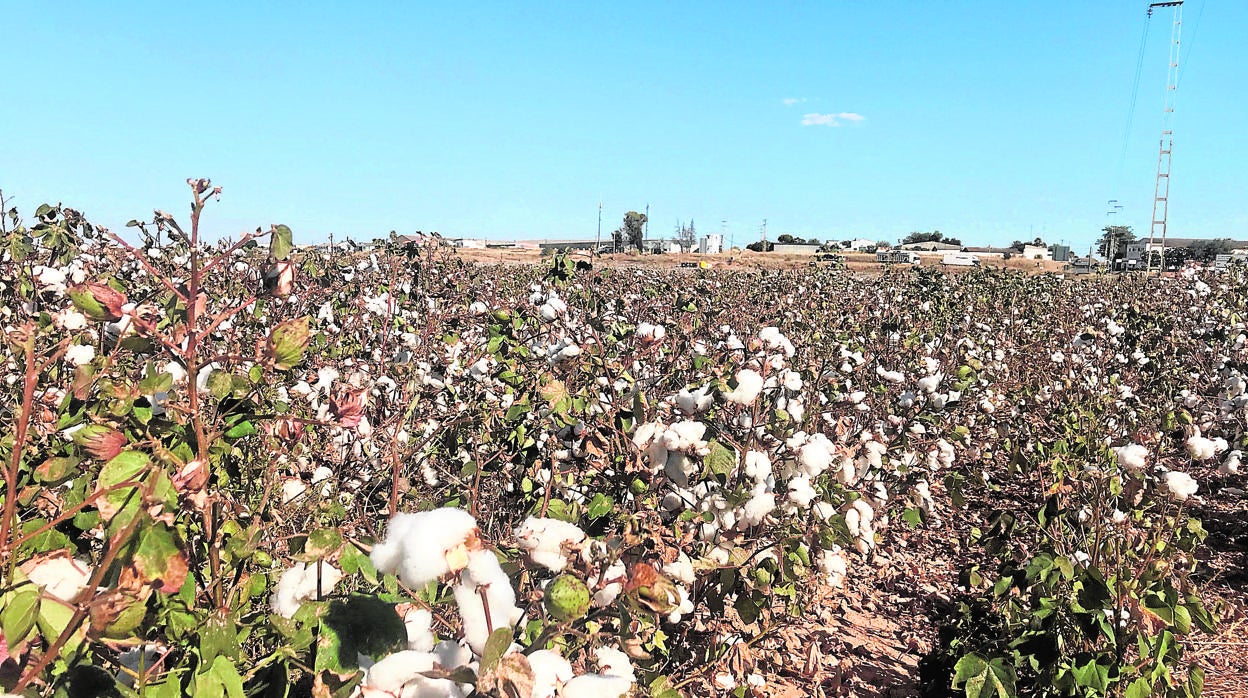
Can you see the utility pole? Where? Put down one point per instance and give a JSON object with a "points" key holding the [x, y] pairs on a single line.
{"points": [[331, 249], [598, 241], [764, 235], [1161, 189], [646, 230]]}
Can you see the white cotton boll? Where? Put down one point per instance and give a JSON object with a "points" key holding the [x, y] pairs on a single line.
{"points": [[545, 540], [648, 332], [679, 468], [80, 354], [917, 428], [612, 662], [848, 472], [1219, 445], [800, 491], [890, 376], [292, 489], [61, 576], [683, 605], [694, 402], [906, 400], [857, 396], [773, 338], [749, 385], [299, 584], [550, 671], [71, 320], [929, 384], [681, 569], [1230, 466], [483, 573], [757, 508], [792, 381], [816, 455], [419, 625], [425, 546], [612, 584], [1179, 485], [1200, 448], [478, 308], [824, 510], [1132, 457], [834, 566], [757, 465], [1057, 357], [401, 675], [987, 406], [922, 495]]}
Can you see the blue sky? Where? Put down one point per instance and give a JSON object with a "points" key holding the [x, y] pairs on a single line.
{"points": [[987, 120]]}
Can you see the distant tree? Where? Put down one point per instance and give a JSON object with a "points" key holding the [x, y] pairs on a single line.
{"points": [[686, 236], [917, 236], [1039, 242], [786, 239], [1204, 251], [1114, 240], [617, 239], [1017, 245], [812, 241], [633, 231], [951, 241], [760, 246]]}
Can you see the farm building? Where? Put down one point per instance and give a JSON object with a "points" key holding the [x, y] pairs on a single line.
{"points": [[711, 244], [930, 247], [991, 252]]}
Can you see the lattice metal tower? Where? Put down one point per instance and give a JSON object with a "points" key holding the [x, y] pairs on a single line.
{"points": [[1161, 190]]}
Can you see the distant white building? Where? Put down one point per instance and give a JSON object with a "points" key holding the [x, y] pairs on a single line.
{"points": [[711, 244], [1036, 252], [858, 244]]}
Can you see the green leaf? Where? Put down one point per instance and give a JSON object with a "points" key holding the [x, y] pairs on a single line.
{"points": [[220, 384], [125, 466], [1139, 688], [21, 611], [980, 678], [281, 242], [495, 647], [221, 679], [160, 559], [320, 544], [287, 343], [55, 470], [600, 506], [1195, 681], [721, 460], [358, 625]]}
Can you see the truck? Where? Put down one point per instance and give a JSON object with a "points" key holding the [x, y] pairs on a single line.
{"points": [[959, 259], [896, 257]]}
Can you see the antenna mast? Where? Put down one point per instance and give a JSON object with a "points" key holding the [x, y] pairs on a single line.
{"points": [[1161, 190]]}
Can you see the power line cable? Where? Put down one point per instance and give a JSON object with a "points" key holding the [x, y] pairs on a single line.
{"points": [[1135, 93]]}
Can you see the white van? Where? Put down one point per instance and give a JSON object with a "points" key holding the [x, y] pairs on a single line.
{"points": [[960, 259]]}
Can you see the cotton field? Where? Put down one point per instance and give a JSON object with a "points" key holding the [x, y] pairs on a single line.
{"points": [[252, 468]]}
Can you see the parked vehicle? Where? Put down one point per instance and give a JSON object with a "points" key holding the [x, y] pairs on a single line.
{"points": [[896, 257], [960, 259]]}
